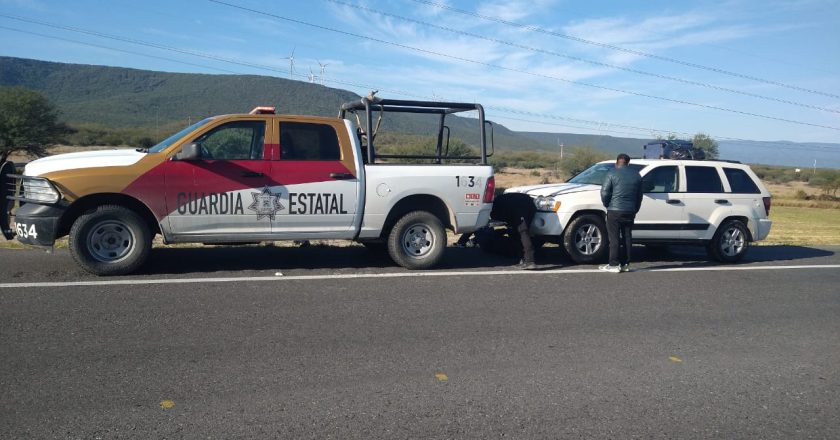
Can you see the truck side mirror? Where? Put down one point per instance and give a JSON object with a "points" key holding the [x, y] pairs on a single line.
{"points": [[647, 185], [191, 151]]}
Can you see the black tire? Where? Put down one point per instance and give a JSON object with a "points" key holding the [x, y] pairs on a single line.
{"points": [[111, 240], [417, 240], [730, 242], [585, 239]]}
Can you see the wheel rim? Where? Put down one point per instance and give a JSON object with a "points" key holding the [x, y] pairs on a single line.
{"points": [[732, 242], [109, 241], [588, 239], [418, 240]]}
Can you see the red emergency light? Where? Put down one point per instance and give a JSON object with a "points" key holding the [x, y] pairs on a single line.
{"points": [[262, 110]]}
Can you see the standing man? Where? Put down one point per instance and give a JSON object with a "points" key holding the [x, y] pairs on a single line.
{"points": [[621, 194]]}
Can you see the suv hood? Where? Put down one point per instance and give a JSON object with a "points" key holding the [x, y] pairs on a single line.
{"points": [[554, 189], [84, 159]]}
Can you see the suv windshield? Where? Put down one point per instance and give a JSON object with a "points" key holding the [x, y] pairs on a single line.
{"points": [[171, 139], [595, 174]]}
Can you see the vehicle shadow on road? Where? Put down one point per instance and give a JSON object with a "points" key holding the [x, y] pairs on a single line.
{"points": [[277, 258], [695, 256]]}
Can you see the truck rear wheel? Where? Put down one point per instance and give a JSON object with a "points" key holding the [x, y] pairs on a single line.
{"points": [[417, 240], [111, 240]]}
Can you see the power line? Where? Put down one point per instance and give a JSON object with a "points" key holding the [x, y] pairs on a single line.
{"points": [[622, 49], [502, 109], [525, 72], [114, 49], [580, 59]]}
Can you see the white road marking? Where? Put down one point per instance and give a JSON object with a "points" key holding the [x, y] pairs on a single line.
{"points": [[485, 273]]}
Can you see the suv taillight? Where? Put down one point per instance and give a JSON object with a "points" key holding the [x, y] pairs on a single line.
{"points": [[766, 204], [490, 189]]}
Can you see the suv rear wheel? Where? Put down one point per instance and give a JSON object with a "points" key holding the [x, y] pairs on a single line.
{"points": [[585, 239], [730, 242]]}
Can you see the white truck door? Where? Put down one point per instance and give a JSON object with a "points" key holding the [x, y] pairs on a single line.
{"points": [[317, 177]]}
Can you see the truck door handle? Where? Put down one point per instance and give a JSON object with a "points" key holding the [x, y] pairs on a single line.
{"points": [[252, 174], [673, 202], [721, 201], [342, 176]]}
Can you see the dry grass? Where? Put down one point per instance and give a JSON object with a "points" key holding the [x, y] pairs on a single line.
{"points": [[804, 226], [511, 177]]}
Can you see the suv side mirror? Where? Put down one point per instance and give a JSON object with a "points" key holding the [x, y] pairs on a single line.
{"points": [[191, 151], [647, 185]]}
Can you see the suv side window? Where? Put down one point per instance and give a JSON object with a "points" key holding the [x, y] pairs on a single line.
{"points": [[239, 140], [663, 179], [305, 141], [702, 180], [740, 181]]}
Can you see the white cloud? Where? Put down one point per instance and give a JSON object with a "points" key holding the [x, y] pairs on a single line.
{"points": [[514, 10]]}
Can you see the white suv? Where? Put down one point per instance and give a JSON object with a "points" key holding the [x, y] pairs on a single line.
{"points": [[718, 204]]}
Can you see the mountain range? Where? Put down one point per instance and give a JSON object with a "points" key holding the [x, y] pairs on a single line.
{"points": [[116, 97]]}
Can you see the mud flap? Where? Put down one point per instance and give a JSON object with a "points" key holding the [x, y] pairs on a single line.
{"points": [[7, 190]]}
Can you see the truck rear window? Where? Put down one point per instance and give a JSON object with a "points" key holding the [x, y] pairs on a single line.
{"points": [[306, 141]]}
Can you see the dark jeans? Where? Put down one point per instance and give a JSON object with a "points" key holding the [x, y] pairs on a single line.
{"points": [[525, 239], [620, 231]]}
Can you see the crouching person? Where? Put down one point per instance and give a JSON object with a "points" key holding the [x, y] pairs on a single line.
{"points": [[517, 210]]}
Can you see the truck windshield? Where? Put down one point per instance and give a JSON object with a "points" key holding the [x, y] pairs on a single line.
{"points": [[171, 139], [595, 174]]}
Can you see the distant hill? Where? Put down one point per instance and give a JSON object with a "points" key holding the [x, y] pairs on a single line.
{"points": [[116, 97], [608, 144]]}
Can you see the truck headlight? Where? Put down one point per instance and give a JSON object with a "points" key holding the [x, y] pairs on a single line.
{"points": [[39, 190], [547, 204]]}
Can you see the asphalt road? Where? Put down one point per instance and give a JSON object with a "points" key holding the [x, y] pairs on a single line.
{"points": [[213, 343]]}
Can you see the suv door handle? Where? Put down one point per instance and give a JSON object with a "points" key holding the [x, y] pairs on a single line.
{"points": [[252, 174], [342, 176], [673, 201], [721, 201]]}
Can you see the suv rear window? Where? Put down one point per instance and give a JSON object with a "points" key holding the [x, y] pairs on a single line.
{"points": [[740, 181], [703, 180]]}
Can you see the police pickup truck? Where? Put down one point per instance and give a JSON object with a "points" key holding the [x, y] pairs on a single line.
{"points": [[249, 178]]}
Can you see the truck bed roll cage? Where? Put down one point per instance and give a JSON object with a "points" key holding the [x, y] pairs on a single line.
{"points": [[418, 107]]}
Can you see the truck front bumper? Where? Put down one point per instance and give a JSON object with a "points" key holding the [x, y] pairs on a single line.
{"points": [[37, 225]]}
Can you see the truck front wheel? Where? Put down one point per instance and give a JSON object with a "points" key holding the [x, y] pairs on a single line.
{"points": [[417, 240], [111, 240]]}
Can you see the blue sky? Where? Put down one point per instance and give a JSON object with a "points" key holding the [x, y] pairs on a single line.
{"points": [[759, 70]]}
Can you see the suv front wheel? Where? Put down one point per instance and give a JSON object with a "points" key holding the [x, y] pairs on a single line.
{"points": [[585, 239], [730, 242]]}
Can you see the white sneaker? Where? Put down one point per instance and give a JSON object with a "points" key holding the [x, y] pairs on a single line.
{"points": [[625, 267], [610, 269]]}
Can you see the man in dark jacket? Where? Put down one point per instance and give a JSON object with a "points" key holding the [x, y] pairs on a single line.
{"points": [[517, 210], [621, 194]]}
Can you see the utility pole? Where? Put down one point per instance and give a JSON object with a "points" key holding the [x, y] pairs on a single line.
{"points": [[560, 144]]}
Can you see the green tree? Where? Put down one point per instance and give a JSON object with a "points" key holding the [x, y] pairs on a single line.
{"points": [[28, 122], [581, 158], [709, 146]]}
